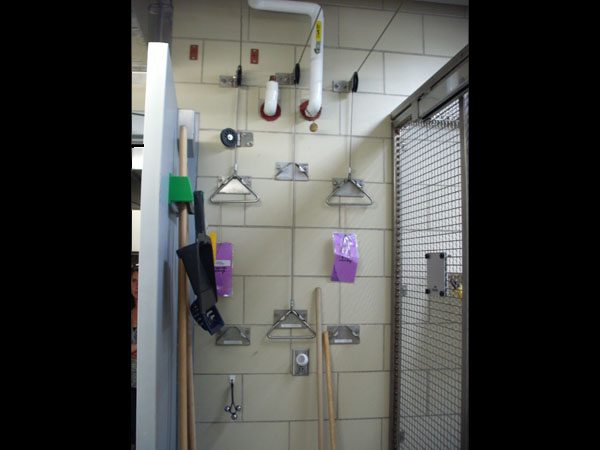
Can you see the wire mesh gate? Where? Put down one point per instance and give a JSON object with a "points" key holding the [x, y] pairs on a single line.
{"points": [[427, 401]]}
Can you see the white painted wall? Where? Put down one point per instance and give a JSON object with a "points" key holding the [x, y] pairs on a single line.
{"points": [[157, 315]]}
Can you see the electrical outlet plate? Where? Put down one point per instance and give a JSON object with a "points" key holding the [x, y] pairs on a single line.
{"points": [[298, 370]]}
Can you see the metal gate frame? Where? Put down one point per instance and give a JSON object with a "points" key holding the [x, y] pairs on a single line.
{"points": [[451, 82]]}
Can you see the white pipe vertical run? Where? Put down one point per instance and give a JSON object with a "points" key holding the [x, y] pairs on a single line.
{"points": [[315, 12]]}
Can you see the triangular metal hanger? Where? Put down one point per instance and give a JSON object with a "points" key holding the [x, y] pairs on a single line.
{"points": [[237, 185], [348, 187], [292, 311]]}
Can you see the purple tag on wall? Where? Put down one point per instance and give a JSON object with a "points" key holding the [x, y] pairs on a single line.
{"points": [[224, 269], [345, 249]]}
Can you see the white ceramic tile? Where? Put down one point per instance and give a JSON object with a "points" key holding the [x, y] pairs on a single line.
{"points": [[281, 396], [212, 393], [304, 434], [327, 156], [367, 300], [370, 114], [263, 295], [359, 3], [385, 434], [231, 307], [263, 355], [363, 394], [377, 215], [304, 298], [404, 74], [275, 206], [216, 105], [268, 149], [426, 7], [206, 19], [387, 345], [280, 28], [358, 434], [138, 97], [284, 123], [328, 121], [311, 209], [184, 68], [405, 34], [272, 59], [368, 355], [445, 35], [260, 251], [360, 28], [313, 252], [367, 159], [242, 435], [220, 58]]}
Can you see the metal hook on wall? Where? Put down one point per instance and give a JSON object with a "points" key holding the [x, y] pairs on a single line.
{"points": [[232, 408]]}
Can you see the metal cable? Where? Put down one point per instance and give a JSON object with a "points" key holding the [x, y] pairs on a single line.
{"points": [[376, 42]]}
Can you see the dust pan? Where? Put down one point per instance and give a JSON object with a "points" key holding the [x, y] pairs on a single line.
{"points": [[199, 265]]}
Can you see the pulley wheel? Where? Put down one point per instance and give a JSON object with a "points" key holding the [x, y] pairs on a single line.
{"points": [[228, 137]]}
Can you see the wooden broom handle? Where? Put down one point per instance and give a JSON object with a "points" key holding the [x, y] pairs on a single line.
{"points": [[182, 353], [191, 413], [319, 369], [329, 390]]}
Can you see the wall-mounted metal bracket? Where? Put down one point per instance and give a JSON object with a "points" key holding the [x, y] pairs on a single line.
{"points": [[245, 139], [344, 334], [285, 79], [346, 86], [233, 335], [348, 187], [287, 170], [231, 81]]}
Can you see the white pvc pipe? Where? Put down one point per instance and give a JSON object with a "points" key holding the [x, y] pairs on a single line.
{"points": [[271, 94], [314, 11]]}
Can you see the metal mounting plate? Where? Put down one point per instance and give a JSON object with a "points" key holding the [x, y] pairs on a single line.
{"points": [[341, 85], [233, 336], [288, 170], [344, 334], [285, 79], [245, 139], [437, 277], [228, 81], [297, 369]]}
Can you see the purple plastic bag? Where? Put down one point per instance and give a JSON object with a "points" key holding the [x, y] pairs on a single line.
{"points": [[224, 269], [345, 249]]}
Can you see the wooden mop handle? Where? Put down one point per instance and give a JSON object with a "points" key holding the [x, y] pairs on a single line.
{"points": [[185, 425], [329, 390], [319, 370]]}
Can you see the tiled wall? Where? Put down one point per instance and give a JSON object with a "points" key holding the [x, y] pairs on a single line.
{"points": [[279, 410]]}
